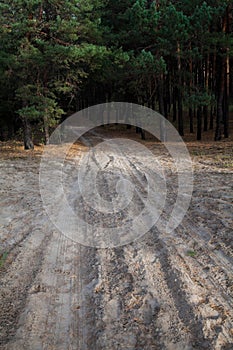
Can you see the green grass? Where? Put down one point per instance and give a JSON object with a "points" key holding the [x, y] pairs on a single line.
{"points": [[227, 161], [3, 258], [191, 253], [197, 152]]}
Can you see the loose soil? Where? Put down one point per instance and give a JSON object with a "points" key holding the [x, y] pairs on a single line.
{"points": [[159, 292]]}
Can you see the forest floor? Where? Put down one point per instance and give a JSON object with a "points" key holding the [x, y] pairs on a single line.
{"points": [[173, 292]]}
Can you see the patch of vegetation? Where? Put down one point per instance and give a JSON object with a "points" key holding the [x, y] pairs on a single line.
{"points": [[197, 152], [191, 253], [3, 258], [227, 161]]}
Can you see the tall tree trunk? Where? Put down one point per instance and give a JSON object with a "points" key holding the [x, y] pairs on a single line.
{"points": [[226, 99], [205, 108], [161, 108], [227, 78], [221, 84], [205, 114], [174, 98], [180, 115], [161, 95], [212, 115], [46, 129], [28, 143], [219, 117], [191, 128], [180, 105], [167, 97], [174, 90], [199, 122], [200, 105], [214, 88], [10, 129]]}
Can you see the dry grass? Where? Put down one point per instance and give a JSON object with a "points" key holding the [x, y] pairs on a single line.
{"points": [[217, 153]]}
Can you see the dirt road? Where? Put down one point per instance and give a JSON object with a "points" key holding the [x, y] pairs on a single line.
{"points": [[159, 292]]}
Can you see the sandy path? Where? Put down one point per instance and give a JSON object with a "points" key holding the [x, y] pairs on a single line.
{"points": [[160, 292]]}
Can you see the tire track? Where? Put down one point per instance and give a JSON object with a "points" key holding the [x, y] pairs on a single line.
{"points": [[151, 294]]}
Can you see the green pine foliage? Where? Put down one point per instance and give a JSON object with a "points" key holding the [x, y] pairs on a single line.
{"points": [[60, 56]]}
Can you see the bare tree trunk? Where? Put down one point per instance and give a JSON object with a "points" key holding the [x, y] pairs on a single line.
{"points": [[191, 129], [28, 143], [199, 122], [180, 115], [212, 114], [163, 135], [167, 96], [161, 95], [200, 106], [227, 78], [205, 108], [221, 84], [219, 117], [174, 91], [205, 114], [46, 129], [180, 106], [174, 97], [226, 100]]}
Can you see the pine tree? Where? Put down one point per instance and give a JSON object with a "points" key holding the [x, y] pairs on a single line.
{"points": [[50, 44]]}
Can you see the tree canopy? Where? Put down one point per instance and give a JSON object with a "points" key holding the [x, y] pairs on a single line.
{"points": [[58, 57]]}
